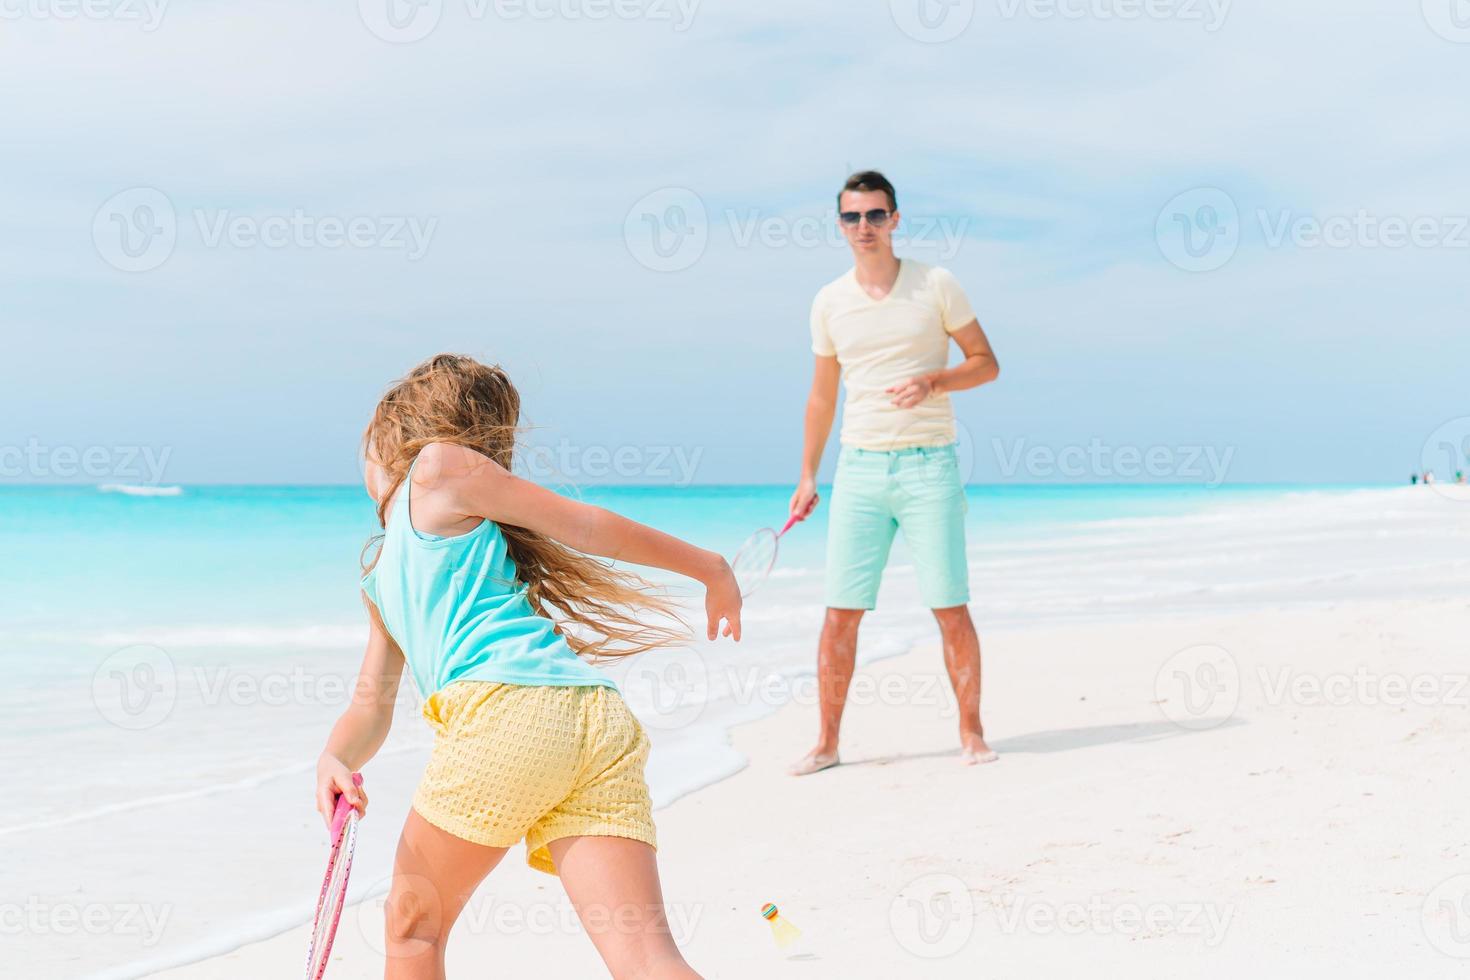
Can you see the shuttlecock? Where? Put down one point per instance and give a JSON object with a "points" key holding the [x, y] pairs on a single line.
{"points": [[781, 930]]}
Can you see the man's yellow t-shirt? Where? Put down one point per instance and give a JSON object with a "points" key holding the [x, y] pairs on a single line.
{"points": [[883, 342]]}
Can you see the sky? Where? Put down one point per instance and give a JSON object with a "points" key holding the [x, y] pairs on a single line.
{"points": [[1210, 241]]}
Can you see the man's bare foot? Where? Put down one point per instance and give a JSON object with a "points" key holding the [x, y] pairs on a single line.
{"points": [[974, 751], [814, 761]]}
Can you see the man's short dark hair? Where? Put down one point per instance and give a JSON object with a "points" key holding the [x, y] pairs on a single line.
{"points": [[869, 180]]}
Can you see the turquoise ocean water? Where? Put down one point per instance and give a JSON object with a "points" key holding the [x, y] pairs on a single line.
{"points": [[81, 563]]}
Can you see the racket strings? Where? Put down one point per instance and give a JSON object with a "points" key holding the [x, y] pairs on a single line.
{"points": [[753, 561]]}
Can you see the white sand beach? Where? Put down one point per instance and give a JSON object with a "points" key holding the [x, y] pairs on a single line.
{"points": [[1270, 792]]}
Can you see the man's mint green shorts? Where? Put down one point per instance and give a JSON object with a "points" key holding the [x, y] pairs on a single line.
{"points": [[874, 494]]}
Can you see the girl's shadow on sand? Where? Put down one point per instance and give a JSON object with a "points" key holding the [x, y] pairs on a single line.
{"points": [[1067, 739]]}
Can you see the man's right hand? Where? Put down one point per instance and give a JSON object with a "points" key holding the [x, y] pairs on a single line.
{"points": [[804, 500]]}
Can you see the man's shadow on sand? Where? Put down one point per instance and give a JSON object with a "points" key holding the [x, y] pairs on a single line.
{"points": [[1066, 740]]}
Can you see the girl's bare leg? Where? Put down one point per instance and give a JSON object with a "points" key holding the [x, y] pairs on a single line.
{"points": [[613, 883], [434, 875]]}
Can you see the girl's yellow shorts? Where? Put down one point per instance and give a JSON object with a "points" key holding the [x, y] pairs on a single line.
{"points": [[538, 763]]}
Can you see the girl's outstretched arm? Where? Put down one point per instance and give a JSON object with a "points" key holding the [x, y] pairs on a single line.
{"points": [[454, 484], [360, 732]]}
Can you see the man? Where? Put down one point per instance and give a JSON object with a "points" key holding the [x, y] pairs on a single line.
{"points": [[884, 329]]}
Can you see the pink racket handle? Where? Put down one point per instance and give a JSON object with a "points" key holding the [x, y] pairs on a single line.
{"points": [[794, 518], [344, 808]]}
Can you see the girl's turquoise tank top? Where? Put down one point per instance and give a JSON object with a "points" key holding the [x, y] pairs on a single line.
{"points": [[454, 607]]}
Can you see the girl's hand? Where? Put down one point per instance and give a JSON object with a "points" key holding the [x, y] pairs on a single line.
{"points": [[334, 779], [722, 601]]}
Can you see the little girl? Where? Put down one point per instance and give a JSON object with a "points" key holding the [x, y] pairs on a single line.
{"points": [[531, 741]]}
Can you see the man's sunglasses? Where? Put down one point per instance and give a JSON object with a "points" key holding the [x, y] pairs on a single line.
{"points": [[878, 217]]}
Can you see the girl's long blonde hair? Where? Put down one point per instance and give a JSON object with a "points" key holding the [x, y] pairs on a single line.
{"points": [[601, 611]]}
